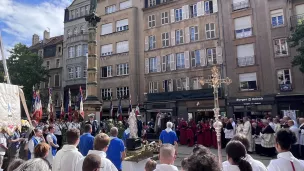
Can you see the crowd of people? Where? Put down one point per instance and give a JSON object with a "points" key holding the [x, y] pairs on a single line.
{"points": [[93, 146]]}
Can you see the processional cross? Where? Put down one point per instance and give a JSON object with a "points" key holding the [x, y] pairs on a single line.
{"points": [[216, 82]]}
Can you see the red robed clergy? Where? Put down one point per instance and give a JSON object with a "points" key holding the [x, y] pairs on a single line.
{"points": [[207, 135], [200, 134], [190, 137]]}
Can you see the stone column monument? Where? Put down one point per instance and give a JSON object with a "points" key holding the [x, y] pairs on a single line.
{"points": [[92, 103]]}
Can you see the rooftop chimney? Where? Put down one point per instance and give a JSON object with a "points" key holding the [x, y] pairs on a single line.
{"points": [[35, 39], [46, 36]]}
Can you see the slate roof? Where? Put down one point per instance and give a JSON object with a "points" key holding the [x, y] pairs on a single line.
{"points": [[52, 41]]}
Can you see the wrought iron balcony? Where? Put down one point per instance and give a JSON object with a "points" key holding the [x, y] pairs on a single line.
{"points": [[297, 20], [240, 5], [245, 61], [285, 87]]}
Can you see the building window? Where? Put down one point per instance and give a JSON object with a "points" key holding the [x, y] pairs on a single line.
{"points": [[152, 64], [122, 92], [240, 4], [193, 33], [180, 61], [195, 58], [79, 47], [245, 55], [69, 32], [106, 29], [243, 27], [165, 18], [77, 72], [85, 72], [122, 69], [179, 37], [165, 39], [193, 10], [106, 50], [72, 14], [153, 87], [208, 7], [277, 18], [126, 4], [57, 80], [178, 14], [82, 11], [166, 63], [284, 76], [152, 42], [82, 29], [87, 9], [211, 56], [248, 81], [152, 3], [168, 85], [106, 72], [195, 84], [71, 52], [77, 13], [210, 31], [57, 63], [40, 53], [71, 73], [281, 47], [85, 50], [59, 50], [110, 9], [122, 25], [151, 21], [181, 84], [122, 47], [47, 64], [75, 32], [106, 94]]}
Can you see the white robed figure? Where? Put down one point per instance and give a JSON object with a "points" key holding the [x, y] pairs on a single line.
{"points": [[132, 125], [247, 131]]}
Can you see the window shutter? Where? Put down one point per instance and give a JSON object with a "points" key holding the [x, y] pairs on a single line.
{"points": [[248, 77], [172, 38], [219, 55], [158, 64], [171, 85], [147, 65], [172, 62], [199, 8], [172, 16], [187, 61], [184, 12], [203, 7], [203, 57], [164, 65], [245, 50], [187, 83], [242, 23], [146, 43], [187, 11], [187, 34], [215, 7]]}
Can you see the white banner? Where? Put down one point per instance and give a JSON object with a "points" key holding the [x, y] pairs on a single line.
{"points": [[10, 113], [291, 114]]}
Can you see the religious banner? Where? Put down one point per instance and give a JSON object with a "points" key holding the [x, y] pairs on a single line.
{"points": [[10, 112], [291, 114]]}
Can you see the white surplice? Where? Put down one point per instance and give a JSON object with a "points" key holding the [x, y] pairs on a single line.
{"points": [[248, 133], [284, 163], [66, 159]]}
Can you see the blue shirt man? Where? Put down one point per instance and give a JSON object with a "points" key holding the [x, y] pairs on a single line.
{"points": [[86, 140], [168, 136], [116, 150]]}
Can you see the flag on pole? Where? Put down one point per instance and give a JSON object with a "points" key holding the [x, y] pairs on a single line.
{"points": [[130, 105], [33, 100], [100, 112], [70, 116], [137, 110], [50, 106], [37, 107], [119, 111], [81, 103], [111, 109], [62, 109]]}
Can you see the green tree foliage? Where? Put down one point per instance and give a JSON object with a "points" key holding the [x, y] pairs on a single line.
{"points": [[25, 69], [297, 40]]}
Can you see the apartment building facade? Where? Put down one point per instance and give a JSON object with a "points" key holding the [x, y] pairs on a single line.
{"points": [[183, 40], [259, 59], [75, 48], [50, 49], [119, 44]]}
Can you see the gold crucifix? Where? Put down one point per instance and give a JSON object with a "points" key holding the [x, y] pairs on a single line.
{"points": [[216, 82]]}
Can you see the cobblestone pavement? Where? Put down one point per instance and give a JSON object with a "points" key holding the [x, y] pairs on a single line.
{"points": [[185, 151]]}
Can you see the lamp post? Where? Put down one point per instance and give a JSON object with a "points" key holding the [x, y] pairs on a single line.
{"points": [[215, 82]]}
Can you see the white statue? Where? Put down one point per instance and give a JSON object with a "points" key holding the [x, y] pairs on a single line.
{"points": [[132, 124]]}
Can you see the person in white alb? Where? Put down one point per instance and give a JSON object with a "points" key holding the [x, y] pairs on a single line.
{"points": [[247, 131], [166, 158], [67, 158], [58, 133], [3, 146], [294, 147], [286, 161], [101, 143], [255, 164]]}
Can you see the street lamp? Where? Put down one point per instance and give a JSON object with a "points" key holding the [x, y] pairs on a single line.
{"points": [[215, 82]]}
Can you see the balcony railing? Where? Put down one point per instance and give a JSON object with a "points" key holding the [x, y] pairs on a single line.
{"points": [[78, 37], [245, 61], [297, 20], [240, 5]]}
